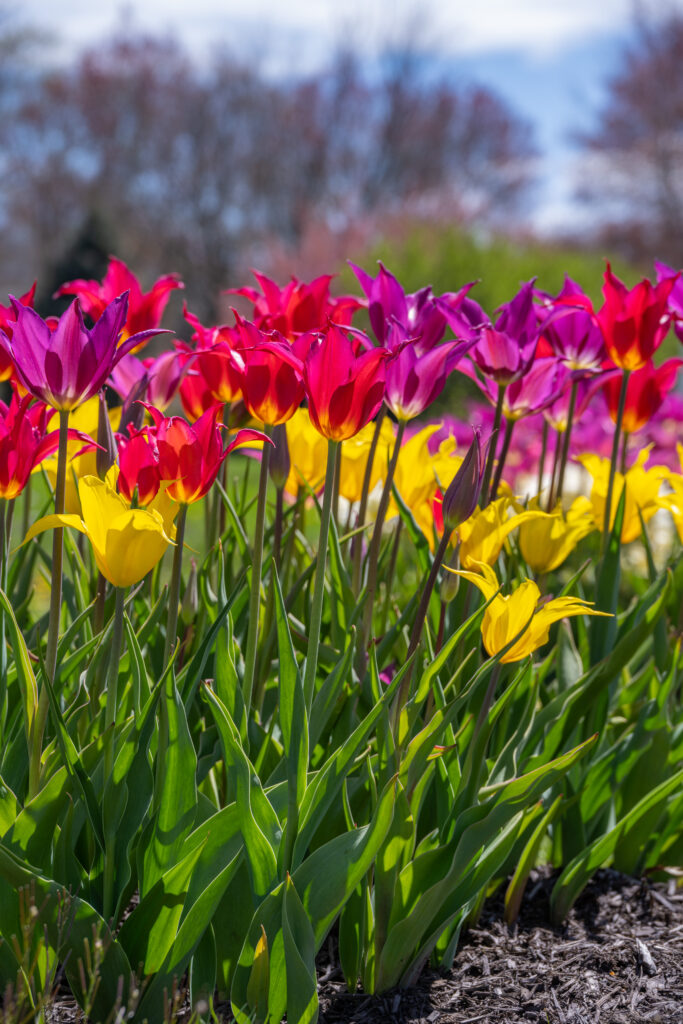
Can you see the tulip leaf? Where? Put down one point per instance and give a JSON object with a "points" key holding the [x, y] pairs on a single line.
{"points": [[196, 666], [603, 630], [328, 694], [517, 885], [25, 674], [258, 821], [71, 925], [577, 873], [175, 789], [299, 952]]}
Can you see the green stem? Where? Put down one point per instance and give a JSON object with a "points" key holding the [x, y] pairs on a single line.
{"points": [[624, 453], [174, 591], [493, 444], [109, 728], [509, 427], [544, 450], [614, 459], [55, 608], [357, 543], [26, 509], [556, 466], [277, 528], [419, 622], [390, 574], [565, 446], [376, 541], [319, 584], [256, 569], [335, 492], [100, 598]]}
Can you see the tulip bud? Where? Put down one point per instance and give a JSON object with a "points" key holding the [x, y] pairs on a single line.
{"points": [[460, 500], [280, 462], [105, 457], [133, 411], [190, 603], [450, 583]]}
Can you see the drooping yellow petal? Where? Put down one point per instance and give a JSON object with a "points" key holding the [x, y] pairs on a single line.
{"points": [[53, 522], [545, 542], [482, 535]]}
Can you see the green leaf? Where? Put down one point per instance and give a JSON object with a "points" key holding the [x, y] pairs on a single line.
{"points": [[578, 872], [603, 631], [258, 821], [175, 790], [517, 885], [299, 950]]}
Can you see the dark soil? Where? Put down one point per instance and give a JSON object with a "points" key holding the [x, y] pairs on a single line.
{"points": [[618, 959]]}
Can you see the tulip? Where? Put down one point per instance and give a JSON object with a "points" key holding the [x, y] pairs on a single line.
{"points": [[421, 474], [547, 541], [344, 388], [519, 613], [675, 295], [83, 424], [127, 543], [24, 443], [642, 492], [190, 455], [145, 309], [354, 460], [634, 323], [418, 313], [482, 535], [414, 379], [298, 307], [462, 495], [67, 366], [269, 372], [307, 452], [8, 318], [155, 379], [570, 329], [673, 502], [646, 389]]}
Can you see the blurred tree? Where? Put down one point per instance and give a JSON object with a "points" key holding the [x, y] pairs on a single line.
{"points": [[634, 163], [200, 170]]}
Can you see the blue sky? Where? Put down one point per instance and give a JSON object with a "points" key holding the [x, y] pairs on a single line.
{"points": [[548, 58]]}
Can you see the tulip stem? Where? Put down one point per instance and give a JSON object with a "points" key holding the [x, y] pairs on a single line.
{"points": [[614, 459], [109, 729], [556, 466], [357, 542], [391, 571], [544, 450], [319, 584], [376, 541], [55, 608], [4, 545], [565, 445], [416, 633], [256, 569], [277, 527], [509, 427], [493, 444], [174, 592], [624, 452]]}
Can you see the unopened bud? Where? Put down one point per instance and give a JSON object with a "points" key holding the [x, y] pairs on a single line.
{"points": [[105, 457], [280, 462], [450, 582], [460, 500], [190, 603]]}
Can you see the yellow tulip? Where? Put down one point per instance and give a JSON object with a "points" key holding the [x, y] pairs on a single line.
{"points": [[127, 543], [307, 454], [547, 541], [642, 492], [420, 474], [519, 613], [354, 459], [482, 535], [673, 502], [83, 418]]}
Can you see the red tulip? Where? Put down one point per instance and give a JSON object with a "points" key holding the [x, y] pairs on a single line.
{"points": [[24, 442], [8, 318], [634, 323], [298, 307], [191, 455], [646, 390], [344, 384], [145, 309], [214, 359], [270, 373]]}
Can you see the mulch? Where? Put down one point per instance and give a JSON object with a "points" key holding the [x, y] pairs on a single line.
{"points": [[618, 959]]}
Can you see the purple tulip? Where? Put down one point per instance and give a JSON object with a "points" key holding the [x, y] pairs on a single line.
{"points": [[570, 328], [155, 379], [541, 385], [504, 351], [67, 366], [676, 296], [415, 378], [419, 312]]}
